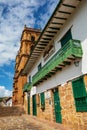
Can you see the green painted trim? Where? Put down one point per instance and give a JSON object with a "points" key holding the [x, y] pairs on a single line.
{"points": [[27, 87]]}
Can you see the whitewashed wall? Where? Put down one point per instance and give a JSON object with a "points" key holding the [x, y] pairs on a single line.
{"points": [[78, 24], [60, 78]]}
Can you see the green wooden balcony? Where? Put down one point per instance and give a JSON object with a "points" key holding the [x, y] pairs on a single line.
{"points": [[72, 50], [27, 87]]}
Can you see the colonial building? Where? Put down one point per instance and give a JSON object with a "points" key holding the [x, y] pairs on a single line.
{"points": [[56, 83], [8, 101], [28, 39]]}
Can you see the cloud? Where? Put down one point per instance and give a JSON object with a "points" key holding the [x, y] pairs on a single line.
{"points": [[4, 92], [8, 74], [13, 17], [48, 9]]}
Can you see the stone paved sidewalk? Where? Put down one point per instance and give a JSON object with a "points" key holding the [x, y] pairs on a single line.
{"points": [[26, 122]]}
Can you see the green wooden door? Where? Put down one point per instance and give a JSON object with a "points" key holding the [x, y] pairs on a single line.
{"points": [[57, 107], [28, 104], [34, 105]]}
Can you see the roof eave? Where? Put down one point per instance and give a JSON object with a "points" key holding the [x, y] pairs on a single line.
{"points": [[60, 15]]}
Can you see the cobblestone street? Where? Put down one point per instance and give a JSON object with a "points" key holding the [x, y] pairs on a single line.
{"points": [[26, 122]]}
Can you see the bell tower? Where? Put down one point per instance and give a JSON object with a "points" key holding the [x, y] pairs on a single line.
{"points": [[27, 42]]}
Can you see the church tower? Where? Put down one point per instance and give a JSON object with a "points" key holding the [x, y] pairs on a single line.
{"points": [[27, 42]]}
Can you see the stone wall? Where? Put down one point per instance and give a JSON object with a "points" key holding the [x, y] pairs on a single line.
{"points": [[25, 103], [71, 118], [20, 84], [48, 112]]}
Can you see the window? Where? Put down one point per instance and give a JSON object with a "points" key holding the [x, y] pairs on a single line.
{"points": [[39, 66], [32, 47], [66, 38], [80, 95], [29, 79], [42, 97], [32, 38]]}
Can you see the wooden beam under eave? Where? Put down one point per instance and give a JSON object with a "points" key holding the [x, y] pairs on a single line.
{"points": [[54, 28], [56, 17], [56, 23], [46, 38], [53, 32], [43, 45], [66, 62], [49, 35], [38, 51], [41, 42], [69, 6], [64, 12], [41, 48]]}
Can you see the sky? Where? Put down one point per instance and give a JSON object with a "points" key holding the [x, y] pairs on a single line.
{"points": [[14, 14]]}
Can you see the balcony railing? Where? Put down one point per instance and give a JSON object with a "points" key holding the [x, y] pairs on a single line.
{"points": [[70, 51], [27, 87]]}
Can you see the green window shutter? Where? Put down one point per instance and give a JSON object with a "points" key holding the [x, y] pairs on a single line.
{"points": [[42, 100], [79, 89], [66, 38], [81, 104], [80, 95]]}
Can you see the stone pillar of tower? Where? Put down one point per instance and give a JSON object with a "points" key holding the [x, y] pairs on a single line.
{"points": [[27, 42]]}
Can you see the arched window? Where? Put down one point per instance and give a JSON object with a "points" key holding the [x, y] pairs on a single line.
{"points": [[32, 38]]}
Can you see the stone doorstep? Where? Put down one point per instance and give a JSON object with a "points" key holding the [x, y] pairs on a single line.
{"points": [[48, 123]]}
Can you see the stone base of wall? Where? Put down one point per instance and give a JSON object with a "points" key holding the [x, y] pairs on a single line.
{"points": [[71, 118]]}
